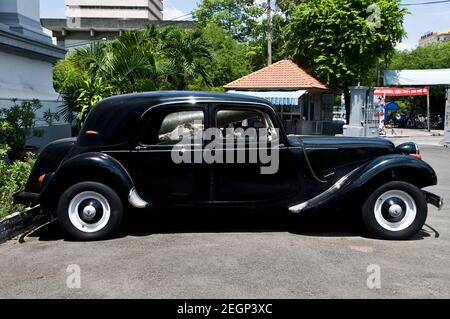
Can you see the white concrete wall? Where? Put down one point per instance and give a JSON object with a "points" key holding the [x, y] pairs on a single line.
{"points": [[26, 78], [111, 13], [106, 3]]}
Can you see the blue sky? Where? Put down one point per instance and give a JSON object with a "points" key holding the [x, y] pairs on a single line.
{"points": [[422, 18]]}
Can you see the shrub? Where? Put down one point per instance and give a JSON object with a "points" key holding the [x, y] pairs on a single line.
{"points": [[13, 178], [19, 123]]}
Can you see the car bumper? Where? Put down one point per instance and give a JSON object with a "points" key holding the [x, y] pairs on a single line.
{"points": [[434, 200], [24, 198]]}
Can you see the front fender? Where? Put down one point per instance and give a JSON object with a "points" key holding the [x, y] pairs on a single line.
{"points": [[92, 167], [402, 167]]}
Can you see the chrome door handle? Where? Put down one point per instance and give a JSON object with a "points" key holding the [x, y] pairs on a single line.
{"points": [[141, 148]]}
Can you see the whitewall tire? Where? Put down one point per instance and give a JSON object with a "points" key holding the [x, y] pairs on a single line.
{"points": [[396, 210], [90, 211]]}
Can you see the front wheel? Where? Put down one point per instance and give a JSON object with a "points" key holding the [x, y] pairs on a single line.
{"points": [[90, 211], [396, 210]]}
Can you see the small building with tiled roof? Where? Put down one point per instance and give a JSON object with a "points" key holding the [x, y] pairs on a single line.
{"points": [[304, 104]]}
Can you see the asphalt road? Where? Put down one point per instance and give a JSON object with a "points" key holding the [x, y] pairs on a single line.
{"points": [[228, 255]]}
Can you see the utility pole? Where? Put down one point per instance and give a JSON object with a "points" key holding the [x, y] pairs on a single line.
{"points": [[428, 111], [269, 32]]}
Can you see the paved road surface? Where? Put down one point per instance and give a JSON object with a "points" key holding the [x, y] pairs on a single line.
{"points": [[231, 256]]}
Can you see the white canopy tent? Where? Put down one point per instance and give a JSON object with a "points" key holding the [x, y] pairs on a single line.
{"points": [[417, 77], [423, 77]]}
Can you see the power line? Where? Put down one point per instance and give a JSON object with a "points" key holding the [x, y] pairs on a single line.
{"points": [[425, 3], [183, 16]]}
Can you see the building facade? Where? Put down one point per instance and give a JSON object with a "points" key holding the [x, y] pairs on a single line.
{"points": [[435, 37], [89, 21], [115, 9], [27, 56]]}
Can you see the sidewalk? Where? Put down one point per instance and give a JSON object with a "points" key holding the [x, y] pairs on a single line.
{"points": [[403, 133]]}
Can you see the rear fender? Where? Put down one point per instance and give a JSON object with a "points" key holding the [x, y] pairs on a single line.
{"points": [[88, 167]]}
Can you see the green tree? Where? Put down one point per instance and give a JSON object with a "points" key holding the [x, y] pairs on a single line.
{"points": [[434, 56], [186, 51], [229, 58], [237, 17], [124, 63], [340, 41]]}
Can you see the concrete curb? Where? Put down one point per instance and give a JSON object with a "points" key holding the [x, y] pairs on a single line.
{"points": [[16, 224]]}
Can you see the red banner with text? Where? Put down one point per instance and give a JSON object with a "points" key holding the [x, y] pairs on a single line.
{"points": [[401, 91]]}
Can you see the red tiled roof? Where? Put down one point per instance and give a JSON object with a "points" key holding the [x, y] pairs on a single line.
{"points": [[284, 74]]}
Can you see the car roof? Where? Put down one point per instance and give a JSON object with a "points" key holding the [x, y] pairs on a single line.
{"points": [[118, 115], [153, 98]]}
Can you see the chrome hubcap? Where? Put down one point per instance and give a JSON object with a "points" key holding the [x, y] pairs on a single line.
{"points": [[89, 212], [395, 210]]}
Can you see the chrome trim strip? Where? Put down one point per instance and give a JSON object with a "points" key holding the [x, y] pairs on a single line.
{"points": [[297, 209], [321, 148], [195, 100], [135, 200]]}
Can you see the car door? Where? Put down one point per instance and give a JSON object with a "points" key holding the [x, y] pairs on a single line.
{"points": [[237, 182], [160, 177]]}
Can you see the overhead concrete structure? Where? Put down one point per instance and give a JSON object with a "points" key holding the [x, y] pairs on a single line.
{"points": [[27, 56], [115, 9]]}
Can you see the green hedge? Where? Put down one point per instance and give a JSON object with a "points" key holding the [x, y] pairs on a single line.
{"points": [[13, 177]]}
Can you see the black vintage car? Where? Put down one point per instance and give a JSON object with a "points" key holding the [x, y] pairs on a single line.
{"points": [[123, 158]]}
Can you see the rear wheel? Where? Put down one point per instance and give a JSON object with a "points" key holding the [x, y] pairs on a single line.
{"points": [[90, 211], [396, 210]]}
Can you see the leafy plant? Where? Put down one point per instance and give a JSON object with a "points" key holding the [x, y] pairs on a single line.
{"points": [[18, 123], [93, 91], [13, 178], [186, 52]]}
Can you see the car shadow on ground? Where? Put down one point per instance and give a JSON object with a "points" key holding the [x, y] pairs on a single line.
{"points": [[332, 223]]}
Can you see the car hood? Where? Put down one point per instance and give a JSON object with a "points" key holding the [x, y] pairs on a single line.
{"points": [[377, 145], [337, 156]]}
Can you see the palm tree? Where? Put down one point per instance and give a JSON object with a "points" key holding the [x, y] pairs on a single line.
{"points": [[186, 52], [124, 63]]}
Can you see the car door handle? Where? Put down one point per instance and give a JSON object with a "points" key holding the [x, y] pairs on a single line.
{"points": [[141, 148]]}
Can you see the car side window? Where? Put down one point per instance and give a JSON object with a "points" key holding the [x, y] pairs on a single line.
{"points": [[234, 123], [174, 127]]}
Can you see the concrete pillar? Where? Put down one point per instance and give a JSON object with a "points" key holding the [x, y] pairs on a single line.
{"points": [[23, 16], [362, 113], [447, 119]]}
